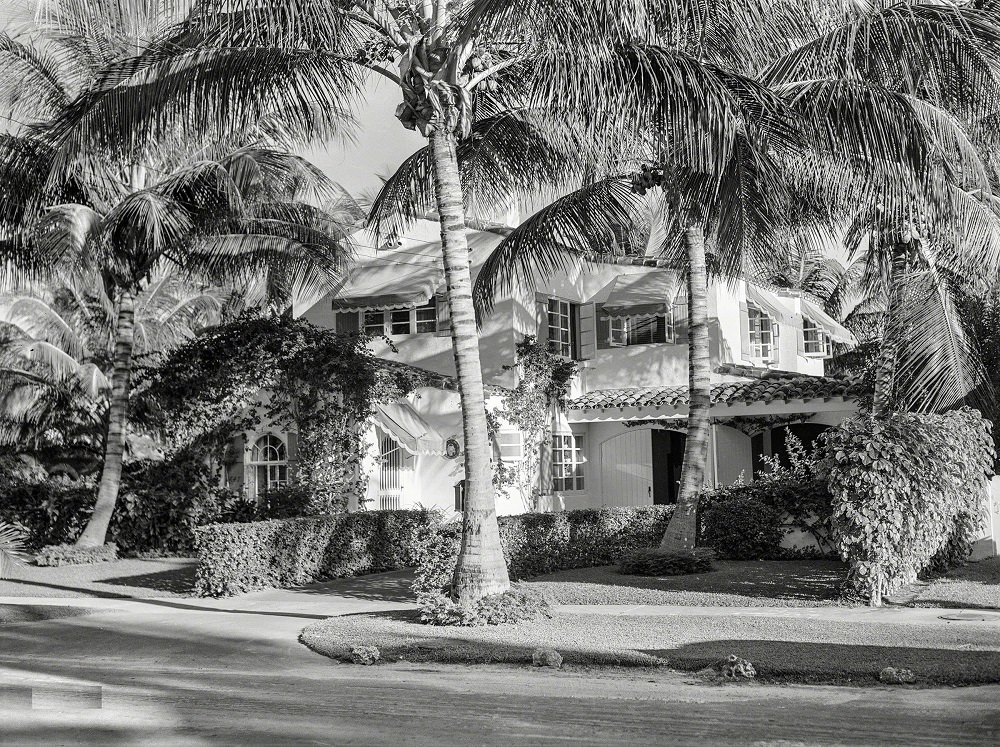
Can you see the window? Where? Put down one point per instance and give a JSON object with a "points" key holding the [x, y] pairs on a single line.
{"points": [[567, 461], [762, 333], [402, 321], [511, 445], [815, 342], [270, 459], [640, 330], [562, 328]]}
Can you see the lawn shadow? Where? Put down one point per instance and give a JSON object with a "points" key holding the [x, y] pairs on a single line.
{"points": [[805, 580], [391, 586], [176, 580], [839, 662]]}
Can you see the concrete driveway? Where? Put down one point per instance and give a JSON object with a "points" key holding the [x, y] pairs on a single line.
{"points": [[198, 672]]}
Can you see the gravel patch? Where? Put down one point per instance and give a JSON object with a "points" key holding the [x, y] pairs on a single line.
{"points": [[781, 649], [806, 583], [131, 578]]}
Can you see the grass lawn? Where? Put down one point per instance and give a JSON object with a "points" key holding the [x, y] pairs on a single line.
{"points": [[976, 585], [799, 583], [783, 649], [27, 613], [131, 578]]}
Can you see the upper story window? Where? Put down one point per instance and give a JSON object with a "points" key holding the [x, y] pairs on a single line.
{"points": [[763, 333], [395, 322], [567, 461], [511, 446], [640, 330], [562, 328], [815, 340]]}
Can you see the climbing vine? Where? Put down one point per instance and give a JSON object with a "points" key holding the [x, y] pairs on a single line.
{"points": [[543, 381], [286, 373]]}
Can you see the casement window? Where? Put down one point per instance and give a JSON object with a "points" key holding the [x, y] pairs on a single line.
{"points": [[815, 341], [640, 330], [567, 461], [269, 458], [762, 332], [511, 445], [562, 328], [396, 322]]}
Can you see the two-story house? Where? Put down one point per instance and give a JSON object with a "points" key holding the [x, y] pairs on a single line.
{"points": [[621, 439]]}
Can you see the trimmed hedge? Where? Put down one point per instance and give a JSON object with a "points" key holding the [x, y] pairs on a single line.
{"points": [[535, 544], [237, 558], [907, 494]]}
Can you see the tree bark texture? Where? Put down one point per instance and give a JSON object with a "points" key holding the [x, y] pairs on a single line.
{"points": [[682, 531], [96, 531], [481, 569]]}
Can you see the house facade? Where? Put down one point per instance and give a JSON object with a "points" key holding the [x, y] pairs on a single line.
{"points": [[620, 440]]}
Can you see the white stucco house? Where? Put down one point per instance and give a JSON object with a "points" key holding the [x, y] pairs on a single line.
{"points": [[621, 440]]}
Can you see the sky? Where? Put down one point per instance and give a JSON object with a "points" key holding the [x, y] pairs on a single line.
{"points": [[381, 143]]}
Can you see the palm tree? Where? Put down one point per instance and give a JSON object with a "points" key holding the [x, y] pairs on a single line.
{"points": [[736, 129], [232, 209], [308, 61], [55, 360]]}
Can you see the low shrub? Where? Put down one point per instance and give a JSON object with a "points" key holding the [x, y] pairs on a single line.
{"points": [[741, 526], [535, 544], [237, 558], [906, 489], [51, 511], [749, 522], [73, 555], [517, 604], [655, 562], [289, 502]]}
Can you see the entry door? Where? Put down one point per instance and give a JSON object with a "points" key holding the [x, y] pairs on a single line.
{"points": [[627, 469]]}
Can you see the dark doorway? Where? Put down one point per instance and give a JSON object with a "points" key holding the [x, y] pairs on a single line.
{"points": [[668, 457]]}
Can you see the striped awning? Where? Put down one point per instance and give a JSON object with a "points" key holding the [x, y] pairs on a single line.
{"points": [[644, 294], [412, 431], [837, 331]]}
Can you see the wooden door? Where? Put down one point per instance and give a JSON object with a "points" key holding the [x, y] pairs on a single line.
{"points": [[627, 469]]}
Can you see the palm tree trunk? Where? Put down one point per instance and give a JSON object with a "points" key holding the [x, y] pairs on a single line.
{"points": [[481, 569], [96, 531], [682, 531]]}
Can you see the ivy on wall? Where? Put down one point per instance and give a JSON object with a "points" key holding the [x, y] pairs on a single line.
{"points": [[906, 488], [543, 381], [288, 374]]}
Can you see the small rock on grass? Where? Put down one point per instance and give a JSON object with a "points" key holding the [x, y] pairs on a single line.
{"points": [[365, 655], [546, 657], [894, 676], [732, 667]]}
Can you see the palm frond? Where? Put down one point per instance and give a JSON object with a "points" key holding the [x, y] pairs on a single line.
{"points": [[591, 220]]}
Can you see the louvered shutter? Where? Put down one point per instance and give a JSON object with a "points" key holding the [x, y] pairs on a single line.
{"points": [[443, 315], [744, 331], [588, 331], [680, 311], [348, 322], [542, 318], [603, 330], [293, 454], [800, 335]]}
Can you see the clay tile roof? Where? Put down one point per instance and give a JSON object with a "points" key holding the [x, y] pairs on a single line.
{"points": [[732, 392]]}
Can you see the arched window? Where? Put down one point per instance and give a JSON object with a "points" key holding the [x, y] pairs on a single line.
{"points": [[270, 459]]}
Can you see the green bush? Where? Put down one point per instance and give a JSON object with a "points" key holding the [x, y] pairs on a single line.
{"points": [[903, 487], [289, 502], [236, 558], [655, 562], [73, 555], [51, 511], [740, 526], [517, 604], [534, 544]]}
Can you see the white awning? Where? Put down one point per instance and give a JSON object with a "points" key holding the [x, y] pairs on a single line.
{"points": [[770, 304], [643, 294], [837, 331], [386, 282], [406, 425]]}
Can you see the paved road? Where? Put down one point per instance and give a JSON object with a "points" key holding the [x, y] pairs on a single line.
{"points": [[170, 673]]}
